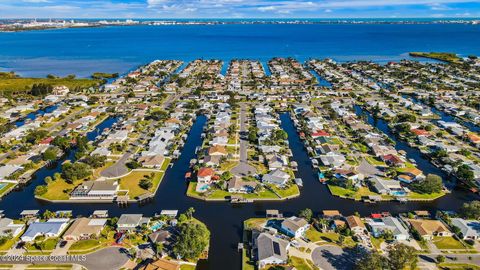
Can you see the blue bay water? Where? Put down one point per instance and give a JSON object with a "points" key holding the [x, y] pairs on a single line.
{"points": [[82, 51]]}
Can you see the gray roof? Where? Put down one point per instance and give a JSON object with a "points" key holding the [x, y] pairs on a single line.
{"points": [[130, 219], [294, 223], [468, 228], [271, 246], [397, 227], [43, 228]]}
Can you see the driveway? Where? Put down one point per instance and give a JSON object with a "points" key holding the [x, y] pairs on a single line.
{"points": [[117, 169], [333, 258]]}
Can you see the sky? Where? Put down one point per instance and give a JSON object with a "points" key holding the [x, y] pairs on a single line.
{"points": [[239, 9]]}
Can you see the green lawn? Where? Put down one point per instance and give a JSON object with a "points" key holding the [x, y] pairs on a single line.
{"points": [[59, 190], [299, 263], [447, 243], [287, 192], [376, 242], [331, 237], [458, 266], [84, 244], [247, 263], [48, 245], [6, 188], [432, 196], [187, 267], [254, 223], [165, 164], [375, 161], [131, 181], [25, 84], [357, 195]]}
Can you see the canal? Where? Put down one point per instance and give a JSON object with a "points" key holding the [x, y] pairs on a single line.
{"points": [[225, 220], [33, 115]]}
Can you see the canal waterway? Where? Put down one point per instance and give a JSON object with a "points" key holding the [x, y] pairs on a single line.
{"points": [[33, 115], [223, 219]]}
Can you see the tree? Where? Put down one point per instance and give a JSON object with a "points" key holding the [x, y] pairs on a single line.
{"points": [[226, 176], [95, 161], [306, 214], [74, 171], [50, 154], [189, 212], [440, 259], [63, 143], [470, 210], [401, 255], [431, 184], [372, 261], [145, 183], [406, 117], [48, 214], [40, 190], [465, 174], [192, 240]]}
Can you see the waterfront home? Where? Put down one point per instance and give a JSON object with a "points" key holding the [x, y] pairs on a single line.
{"points": [[469, 229], [9, 228], [390, 187], [270, 250], [100, 189], [217, 150], [380, 225], [237, 185], [333, 160], [7, 170], [100, 214], [393, 160], [295, 226], [84, 228], [276, 161], [331, 214], [428, 228], [205, 177], [276, 177], [154, 161], [410, 175], [49, 228], [355, 224], [130, 222]]}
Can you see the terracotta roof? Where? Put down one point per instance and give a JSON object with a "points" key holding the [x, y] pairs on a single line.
{"points": [[203, 172], [428, 226], [354, 221], [217, 149], [473, 137], [331, 213], [413, 171], [162, 264], [420, 132]]}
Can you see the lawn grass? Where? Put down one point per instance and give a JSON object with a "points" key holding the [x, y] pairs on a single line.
{"points": [[59, 190], [247, 264], [292, 190], [432, 196], [131, 181], [25, 84], [375, 161], [165, 164], [458, 266], [299, 263], [187, 267], [228, 166], [447, 242], [331, 237], [357, 195], [376, 242], [48, 245], [50, 266], [6, 188], [254, 223], [84, 244]]}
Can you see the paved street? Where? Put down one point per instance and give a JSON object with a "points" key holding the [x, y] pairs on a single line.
{"points": [[333, 258], [243, 168]]}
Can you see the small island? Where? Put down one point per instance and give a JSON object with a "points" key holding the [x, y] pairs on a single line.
{"points": [[442, 56]]}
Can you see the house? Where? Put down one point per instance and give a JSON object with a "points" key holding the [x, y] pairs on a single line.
{"points": [[390, 187], [217, 150], [393, 160], [295, 226], [276, 177], [100, 189], [84, 228], [276, 162], [160, 237], [379, 225], [237, 185], [9, 228], [469, 229], [331, 214], [355, 224], [428, 228], [161, 264], [410, 175], [8, 170], [29, 213], [129, 222], [212, 160], [50, 228], [270, 250], [333, 160], [154, 161]]}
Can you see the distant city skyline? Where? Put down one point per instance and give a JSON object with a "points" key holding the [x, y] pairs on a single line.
{"points": [[239, 9]]}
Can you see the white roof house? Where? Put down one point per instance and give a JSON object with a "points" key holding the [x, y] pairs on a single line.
{"points": [[470, 229]]}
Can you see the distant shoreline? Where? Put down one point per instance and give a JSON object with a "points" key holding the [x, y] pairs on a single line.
{"points": [[16, 25]]}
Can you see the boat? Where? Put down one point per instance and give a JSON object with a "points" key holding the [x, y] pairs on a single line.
{"points": [[299, 182], [321, 178]]}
